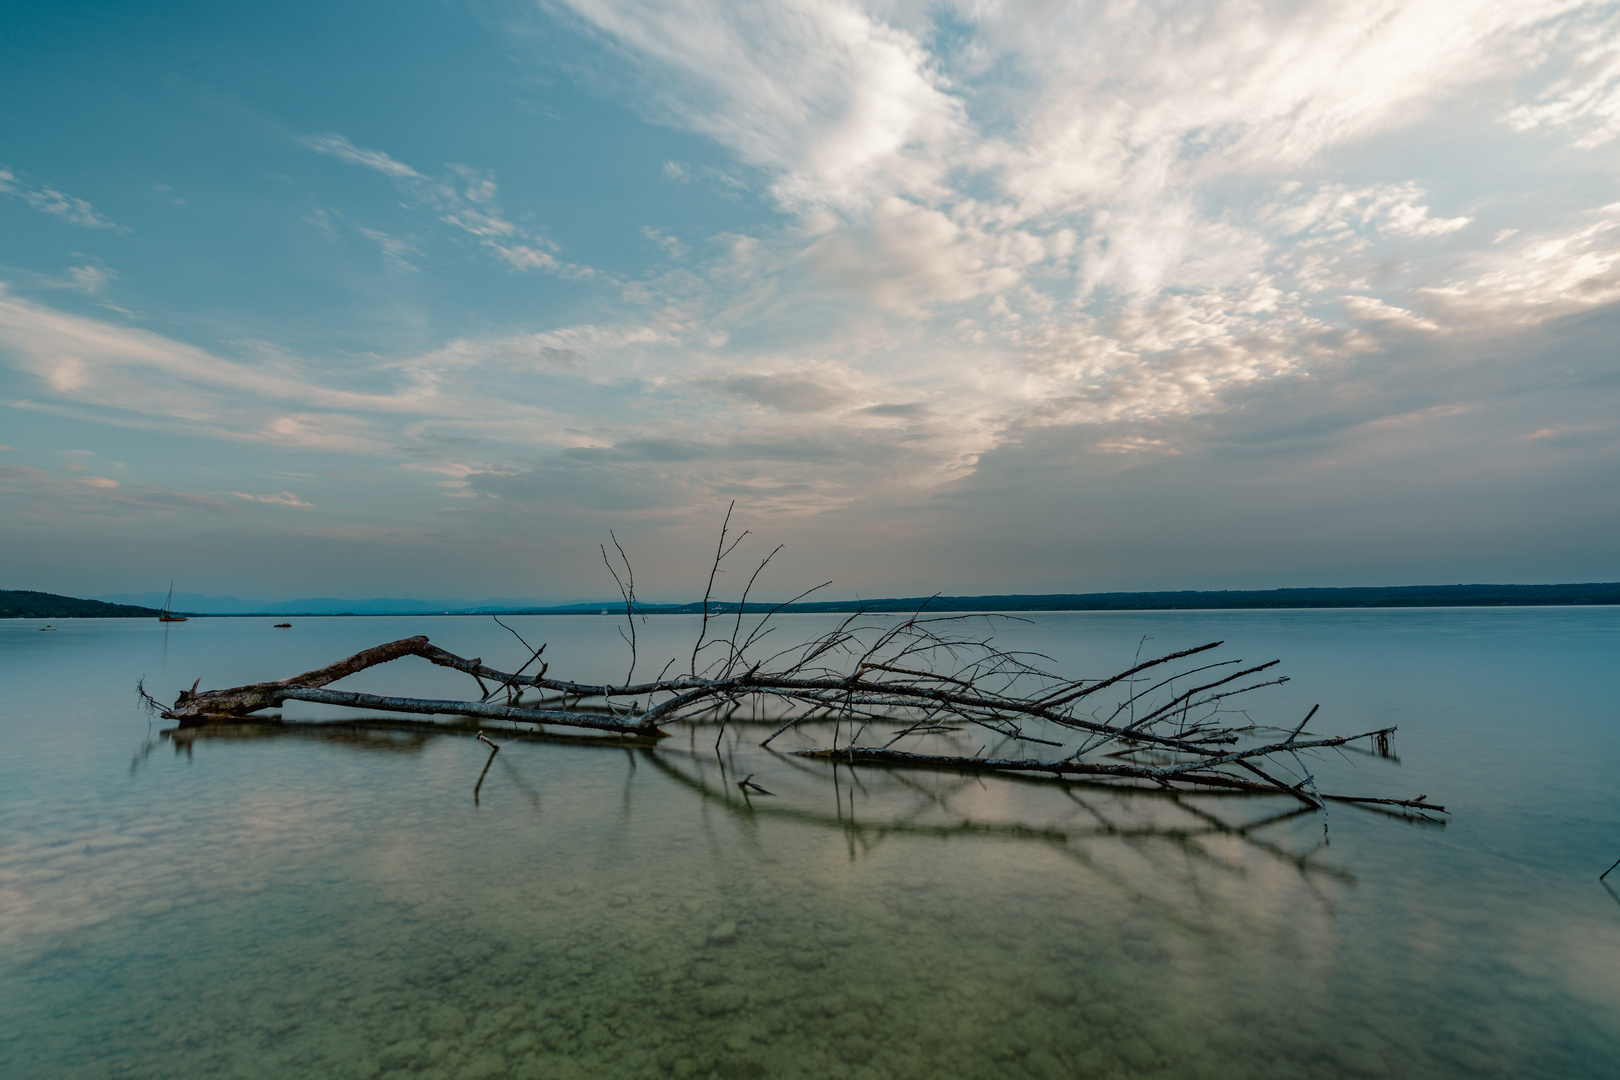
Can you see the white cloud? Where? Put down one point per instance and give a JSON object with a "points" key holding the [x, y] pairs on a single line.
{"points": [[831, 98], [1368, 309], [1543, 275], [1586, 100], [394, 248], [48, 200], [463, 197], [1338, 212], [339, 146], [89, 279], [1085, 150], [285, 498], [910, 257], [1130, 97], [995, 217], [670, 245], [141, 378]]}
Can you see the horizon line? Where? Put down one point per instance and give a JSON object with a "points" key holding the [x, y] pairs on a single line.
{"points": [[1297, 597]]}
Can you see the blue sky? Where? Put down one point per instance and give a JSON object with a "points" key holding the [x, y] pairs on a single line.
{"points": [[423, 298]]}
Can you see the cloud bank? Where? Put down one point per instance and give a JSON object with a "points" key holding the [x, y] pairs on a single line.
{"points": [[993, 226]]}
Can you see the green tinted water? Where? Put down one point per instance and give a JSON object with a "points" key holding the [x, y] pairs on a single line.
{"points": [[319, 905]]}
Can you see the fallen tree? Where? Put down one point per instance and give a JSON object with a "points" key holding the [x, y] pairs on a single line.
{"points": [[893, 692]]}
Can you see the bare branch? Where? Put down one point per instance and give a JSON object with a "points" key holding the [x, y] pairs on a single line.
{"points": [[918, 684]]}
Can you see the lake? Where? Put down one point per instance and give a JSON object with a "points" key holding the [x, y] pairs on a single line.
{"points": [[336, 904]]}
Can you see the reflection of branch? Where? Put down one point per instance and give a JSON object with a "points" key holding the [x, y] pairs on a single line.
{"points": [[364, 733], [747, 784], [721, 796], [904, 823], [148, 744], [1100, 770], [408, 736], [1073, 840], [515, 774], [494, 748]]}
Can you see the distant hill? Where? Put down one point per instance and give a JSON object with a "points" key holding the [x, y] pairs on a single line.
{"points": [[198, 604], [20, 604], [193, 603], [46, 606], [1383, 596], [1390, 596]]}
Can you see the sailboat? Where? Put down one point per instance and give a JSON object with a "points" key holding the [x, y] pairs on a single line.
{"points": [[168, 614]]}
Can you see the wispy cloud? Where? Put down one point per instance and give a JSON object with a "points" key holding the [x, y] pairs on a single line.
{"points": [[90, 279], [936, 168], [1586, 100], [1124, 210], [48, 200], [36, 494], [463, 197], [285, 498], [993, 220], [341, 147]]}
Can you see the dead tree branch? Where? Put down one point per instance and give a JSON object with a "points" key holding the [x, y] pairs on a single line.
{"points": [[918, 684]]}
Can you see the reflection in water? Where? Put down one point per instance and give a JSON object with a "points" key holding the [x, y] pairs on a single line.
{"points": [[494, 748], [143, 751], [968, 926], [927, 807], [965, 926], [347, 734], [914, 802], [270, 903]]}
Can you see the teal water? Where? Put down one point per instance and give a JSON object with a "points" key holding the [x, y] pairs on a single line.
{"points": [[337, 905]]}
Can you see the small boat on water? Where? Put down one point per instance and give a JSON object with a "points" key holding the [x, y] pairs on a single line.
{"points": [[52, 629], [168, 605], [283, 626]]}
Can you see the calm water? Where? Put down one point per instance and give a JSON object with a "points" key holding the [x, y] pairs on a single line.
{"points": [[338, 906]]}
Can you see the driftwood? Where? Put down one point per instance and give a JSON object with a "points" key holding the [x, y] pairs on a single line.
{"points": [[889, 692]]}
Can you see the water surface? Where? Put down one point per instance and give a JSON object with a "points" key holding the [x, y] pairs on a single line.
{"points": [[337, 905]]}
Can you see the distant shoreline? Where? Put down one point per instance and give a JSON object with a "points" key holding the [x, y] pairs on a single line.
{"points": [[17, 604]]}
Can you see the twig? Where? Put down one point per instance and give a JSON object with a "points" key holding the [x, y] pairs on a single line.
{"points": [[494, 749], [720, 552], [747, 784], [627, 590], [1307, 720]]}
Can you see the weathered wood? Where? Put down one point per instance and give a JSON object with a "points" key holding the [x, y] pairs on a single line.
{"points": [[920, 673], [480, 709], [193, 708], [234, 704]]}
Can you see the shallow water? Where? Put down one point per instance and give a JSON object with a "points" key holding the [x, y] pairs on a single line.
{"points": [[313, 904]]}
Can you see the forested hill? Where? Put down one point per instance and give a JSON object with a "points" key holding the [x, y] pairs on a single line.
{"points": [[38, 605], [21, 604], [1391, 596]]}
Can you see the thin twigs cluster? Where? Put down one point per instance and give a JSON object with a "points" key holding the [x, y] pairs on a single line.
{"points": [[916, 691]]}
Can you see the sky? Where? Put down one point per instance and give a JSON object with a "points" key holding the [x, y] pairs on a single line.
{"points": [[427, 298]]}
